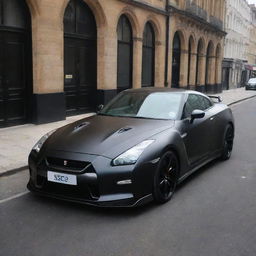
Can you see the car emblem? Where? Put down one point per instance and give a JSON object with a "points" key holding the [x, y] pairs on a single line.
{"points": [[65, 162]]}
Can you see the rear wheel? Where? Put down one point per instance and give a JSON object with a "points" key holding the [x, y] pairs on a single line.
{"points": [[166, 177], [228, 142]]}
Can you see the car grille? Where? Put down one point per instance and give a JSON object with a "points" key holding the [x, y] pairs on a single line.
{"points": [[66, 165], [87, 191]]}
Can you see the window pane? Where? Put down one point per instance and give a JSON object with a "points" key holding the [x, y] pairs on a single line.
{"points": [[124, 57], [148, 36], [176, 42], [1, 11], [69, 18], [120, 30], [16, 14], [124, 66], [86, 24], [147, 67], [127, 35]]}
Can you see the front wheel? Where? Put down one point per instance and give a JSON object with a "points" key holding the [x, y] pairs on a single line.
{"points": [[166, 177], [228, 142]]}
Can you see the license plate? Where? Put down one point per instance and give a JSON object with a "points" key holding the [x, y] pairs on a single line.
{"points": [[61, 178]]}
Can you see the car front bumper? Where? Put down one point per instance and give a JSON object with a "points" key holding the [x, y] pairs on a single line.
{"points": [[100, 184], [250, 87]]}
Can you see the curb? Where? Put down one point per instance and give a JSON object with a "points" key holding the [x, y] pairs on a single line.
{"points": [[13, 171], [235, 102]]}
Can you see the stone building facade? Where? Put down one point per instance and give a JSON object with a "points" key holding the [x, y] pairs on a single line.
{"points": [[252, 44], [238, 25], [199, 26], [67, 56]]}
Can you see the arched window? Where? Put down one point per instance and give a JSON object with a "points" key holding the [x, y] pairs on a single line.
{"points": [[148, 56], [14, 13], [80, 58], [176, 61], [79, 20], [124, 54], [15, 62]]}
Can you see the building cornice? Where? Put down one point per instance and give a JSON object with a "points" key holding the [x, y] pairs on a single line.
{"points": [[197, 19], [146, 6]]}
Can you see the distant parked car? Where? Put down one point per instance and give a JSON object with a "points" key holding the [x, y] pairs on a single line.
{"points": [[251, 85], [137, 148]]}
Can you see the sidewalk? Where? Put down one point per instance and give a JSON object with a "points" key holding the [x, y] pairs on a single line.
{"points": [[16, 142]]}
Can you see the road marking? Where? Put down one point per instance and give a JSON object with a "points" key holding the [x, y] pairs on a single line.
{"points": [[13, 197]]}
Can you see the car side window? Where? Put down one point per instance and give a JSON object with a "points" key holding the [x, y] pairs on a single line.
{"points": [[195, 102], [207, 103]]}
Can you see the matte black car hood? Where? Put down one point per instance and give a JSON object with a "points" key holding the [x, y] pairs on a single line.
{"points": [[105, 135]]}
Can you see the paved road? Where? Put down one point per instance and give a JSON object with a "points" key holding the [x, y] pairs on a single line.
{"points": [[212, 214]]}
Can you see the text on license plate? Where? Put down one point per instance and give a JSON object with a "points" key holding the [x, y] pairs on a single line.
{"points": [[61, 178]]}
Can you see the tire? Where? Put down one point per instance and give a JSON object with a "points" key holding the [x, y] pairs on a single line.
{"points": [[228, 142], [166, 177]]}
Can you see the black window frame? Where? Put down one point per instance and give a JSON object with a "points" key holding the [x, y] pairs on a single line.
{"points": [[148, 45], [121, 41]]}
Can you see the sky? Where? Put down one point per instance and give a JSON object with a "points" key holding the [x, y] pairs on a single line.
{"points": [[251, 1]]}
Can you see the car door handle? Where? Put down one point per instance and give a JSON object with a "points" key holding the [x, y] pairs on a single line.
{"points": [[212, 118]]}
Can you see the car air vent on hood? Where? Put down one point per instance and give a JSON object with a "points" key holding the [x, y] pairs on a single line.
{"points": [[81, 125], [124, 129]]}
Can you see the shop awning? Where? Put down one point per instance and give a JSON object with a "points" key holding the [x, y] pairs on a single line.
{"points": [[250, 67]]}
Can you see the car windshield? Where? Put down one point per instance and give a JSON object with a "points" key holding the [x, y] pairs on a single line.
{"points": [[252, 80], [157, 105]]}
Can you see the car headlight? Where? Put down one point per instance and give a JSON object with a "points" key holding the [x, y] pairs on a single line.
{"points": [[131, 155], [41, 142]]}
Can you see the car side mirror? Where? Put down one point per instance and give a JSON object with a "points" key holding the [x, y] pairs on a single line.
{"points": [[197, 114], [100, 107]]}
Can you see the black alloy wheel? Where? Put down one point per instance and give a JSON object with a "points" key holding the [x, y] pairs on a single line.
{"points": [[166, 177], [228, 142]]}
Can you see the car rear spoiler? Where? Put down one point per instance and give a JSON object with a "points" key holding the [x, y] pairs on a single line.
{"points": [[216, 99]]}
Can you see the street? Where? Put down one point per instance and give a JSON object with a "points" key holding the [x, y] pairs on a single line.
{"points": [[212, 213]]}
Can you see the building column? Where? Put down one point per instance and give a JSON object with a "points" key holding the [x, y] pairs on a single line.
{"points": [[192, 73], [137, 62], [210, 85], [200, 86], [218, 77], [159, 64], [106, 64], [183, 69], [48, 89]]}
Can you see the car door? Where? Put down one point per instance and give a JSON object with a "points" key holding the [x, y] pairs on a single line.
{"points": [[197, 135]]}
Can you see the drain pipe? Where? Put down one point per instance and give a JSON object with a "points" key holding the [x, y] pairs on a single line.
{"points": [[166, 43]]}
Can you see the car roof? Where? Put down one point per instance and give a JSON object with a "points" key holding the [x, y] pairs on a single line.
{"points": [[164, 89]]}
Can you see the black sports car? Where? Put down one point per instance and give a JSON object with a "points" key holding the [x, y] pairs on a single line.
{"points": [[137, 148]]}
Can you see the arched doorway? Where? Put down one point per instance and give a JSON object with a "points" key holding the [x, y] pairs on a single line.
{"points": [[176, 61], [124, 54], [148, 56], [15, 62], [80, 58]]}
